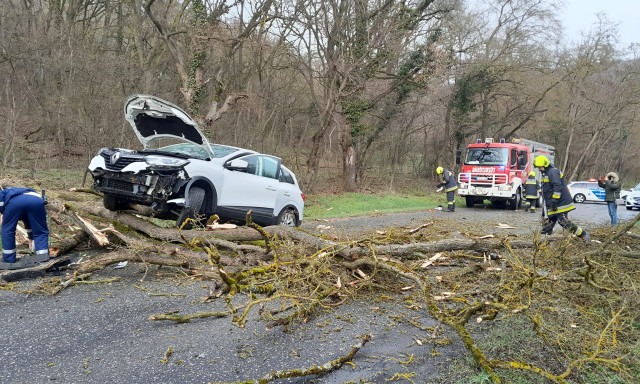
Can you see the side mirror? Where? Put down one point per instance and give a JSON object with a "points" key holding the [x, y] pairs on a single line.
{"points": [[458, 155], [237, 165]]}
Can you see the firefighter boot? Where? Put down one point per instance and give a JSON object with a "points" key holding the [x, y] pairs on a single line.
{"points": [[533, 209], [452, 207]]}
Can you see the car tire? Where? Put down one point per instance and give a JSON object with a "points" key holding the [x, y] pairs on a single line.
{"points": [[629, 208], [515, 202], [196, 199], [471, 201], [579, 198], [288, 218], [114, 203]]}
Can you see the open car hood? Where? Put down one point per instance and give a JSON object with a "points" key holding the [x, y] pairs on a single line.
{"points": [[153, 118]]}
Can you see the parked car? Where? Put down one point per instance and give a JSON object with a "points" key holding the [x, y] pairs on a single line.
{"points": [[582, 191], [632, 199], [192, 179]]}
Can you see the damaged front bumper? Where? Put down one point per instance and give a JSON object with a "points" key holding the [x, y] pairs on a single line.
{"points": [[140, 183]]}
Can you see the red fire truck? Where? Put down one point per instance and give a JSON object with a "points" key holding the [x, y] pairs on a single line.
{"points": [[497, 171]]}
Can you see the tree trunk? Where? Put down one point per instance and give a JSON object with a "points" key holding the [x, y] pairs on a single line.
{"points": [[349, 159]]}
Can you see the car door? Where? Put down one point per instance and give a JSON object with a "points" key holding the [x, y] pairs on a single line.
{"points": [[254, 187]]}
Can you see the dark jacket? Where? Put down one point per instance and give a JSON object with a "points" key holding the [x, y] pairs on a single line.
{"points": [[9, 193], [612, 187], [554, 190], [448, 181], [531, 188]]}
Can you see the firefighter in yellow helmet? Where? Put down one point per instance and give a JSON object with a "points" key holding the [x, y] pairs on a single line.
{"points": [[557, 199], [449, 184], [531, 191]]}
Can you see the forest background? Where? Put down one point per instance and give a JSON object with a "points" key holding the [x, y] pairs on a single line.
{"points": [[352, 94]]}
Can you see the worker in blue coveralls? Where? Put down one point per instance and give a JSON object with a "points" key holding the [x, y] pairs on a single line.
{"points": [[27, 205]]}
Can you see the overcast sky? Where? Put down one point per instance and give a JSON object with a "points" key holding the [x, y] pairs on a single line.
{"points": [[579, 15]]}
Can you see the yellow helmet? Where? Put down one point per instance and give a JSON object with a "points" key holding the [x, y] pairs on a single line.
{"points": [[532, 173], [439, 170], [541, 161]]}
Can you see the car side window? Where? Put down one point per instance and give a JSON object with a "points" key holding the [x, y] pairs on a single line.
{"points": [[285, 177], [259, 165]]}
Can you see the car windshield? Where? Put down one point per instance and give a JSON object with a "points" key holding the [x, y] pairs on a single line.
{"points": [[637, 188], [195, 151], [221, 150], [487, 156]]}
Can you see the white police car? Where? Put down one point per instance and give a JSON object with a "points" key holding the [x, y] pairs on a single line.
{"points": [[589, 190], [633, 198]]}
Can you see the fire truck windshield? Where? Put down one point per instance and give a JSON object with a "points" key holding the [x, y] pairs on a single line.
{"points": [[487, 156]]}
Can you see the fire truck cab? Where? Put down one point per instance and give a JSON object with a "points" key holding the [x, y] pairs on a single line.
{"points": [[497, 171]]}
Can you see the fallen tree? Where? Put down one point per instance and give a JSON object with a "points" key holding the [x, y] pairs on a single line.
{"points": [[547, 283]]}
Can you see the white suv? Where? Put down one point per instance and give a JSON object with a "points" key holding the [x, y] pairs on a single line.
{"points": [[193, 179]]}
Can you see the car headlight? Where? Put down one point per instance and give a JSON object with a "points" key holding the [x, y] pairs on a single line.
{"points": [[101, 150], [630, 199], [160, 161]]}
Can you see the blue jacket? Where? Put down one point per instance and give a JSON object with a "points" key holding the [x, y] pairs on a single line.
{"points": [[9, 193]]}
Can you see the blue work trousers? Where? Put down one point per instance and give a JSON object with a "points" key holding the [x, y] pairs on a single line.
{"points": [[613, 212], [30, 209]]}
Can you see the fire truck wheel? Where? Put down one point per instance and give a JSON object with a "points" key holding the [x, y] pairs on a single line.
{"points": [[515, 202], [470, 201]]}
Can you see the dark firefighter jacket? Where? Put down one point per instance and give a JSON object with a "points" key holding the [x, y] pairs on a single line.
{"points": [[554, 189], [531, 188], [448, 181], [9, 193]]}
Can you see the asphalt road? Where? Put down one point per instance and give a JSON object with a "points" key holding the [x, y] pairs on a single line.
{"points": [[587, 215], [101, 333]]}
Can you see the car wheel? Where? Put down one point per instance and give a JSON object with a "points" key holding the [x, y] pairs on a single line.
{"points": [[579, 198], [515, 202], [114, 203], [470, 201], [629, 208], [287, 218], [196, 198]]}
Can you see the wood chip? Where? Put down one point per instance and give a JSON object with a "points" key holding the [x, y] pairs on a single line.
{"points": [[216, 226], [406, 288], [414, 230], [431, 260]]}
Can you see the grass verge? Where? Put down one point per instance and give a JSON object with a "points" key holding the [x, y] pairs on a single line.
{"points": [[355, 204]]}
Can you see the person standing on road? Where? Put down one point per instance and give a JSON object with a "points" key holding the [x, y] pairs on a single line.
{"points": [[449, 184], [557, 199], [612, 186], [26, 205], [531, 190]]}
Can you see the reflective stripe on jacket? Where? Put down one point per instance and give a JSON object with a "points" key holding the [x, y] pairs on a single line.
{"points": [[531, 188], [555, 189]]}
